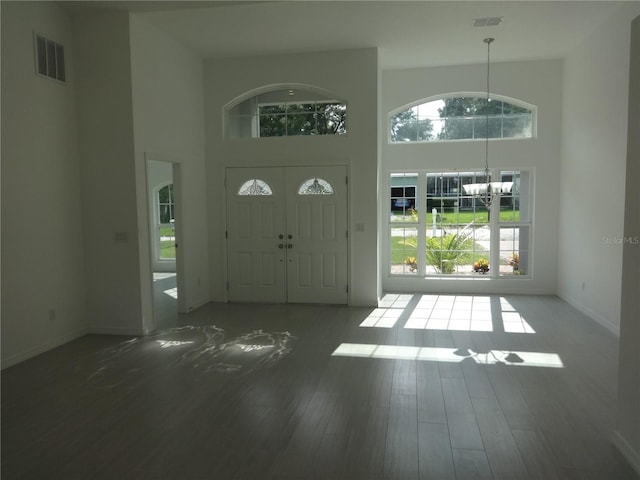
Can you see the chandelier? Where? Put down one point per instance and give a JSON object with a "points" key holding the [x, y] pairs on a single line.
{"points": [[487, 191]]}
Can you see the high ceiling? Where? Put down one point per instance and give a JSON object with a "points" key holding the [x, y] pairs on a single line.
{"points": [[407, 33]]}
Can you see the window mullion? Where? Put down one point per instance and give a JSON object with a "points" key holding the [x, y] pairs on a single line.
{"points": [[494, 226], [421, 207]]}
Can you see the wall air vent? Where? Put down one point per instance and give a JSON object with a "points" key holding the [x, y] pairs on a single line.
{"points": [[487, 22], [50, 58]]}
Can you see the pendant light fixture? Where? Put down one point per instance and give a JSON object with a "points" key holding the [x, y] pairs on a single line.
{"points": [[488, 191]]}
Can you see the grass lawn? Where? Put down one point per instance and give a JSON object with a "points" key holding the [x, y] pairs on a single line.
{"points": [[167, 232], [464, 218], [167, 249]]}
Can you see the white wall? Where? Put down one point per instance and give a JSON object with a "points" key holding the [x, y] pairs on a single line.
{"points": [[351, 75], [627, 436], [42, 237], [168, 114], [101, 42], [594, 152], [538, 83]]}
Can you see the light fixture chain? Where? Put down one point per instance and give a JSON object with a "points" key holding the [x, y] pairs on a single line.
{"points": [[489, 194]]}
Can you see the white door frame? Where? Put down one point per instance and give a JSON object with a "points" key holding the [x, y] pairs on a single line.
{"points": [[177, 192], [347, 235]]}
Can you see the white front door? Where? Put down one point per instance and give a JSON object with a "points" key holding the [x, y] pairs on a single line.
{"points": [[255, 235], [287, 234], [317, 225]]}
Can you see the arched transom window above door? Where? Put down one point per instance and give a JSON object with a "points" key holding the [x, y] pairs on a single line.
{"points": [[255, 186], [286, 111], [315, 186], [462, 117]]}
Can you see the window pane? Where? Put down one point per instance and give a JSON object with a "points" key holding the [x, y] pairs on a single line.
{"points": [[315, 186], [287, 112], [457, 226], [517, 126], [51, 59], [459, 118], [165, 204], [403, 197], [165, 194], [165, 213], [255, 187], [459, 128], [167, 242], [450, 250], [331, 118], [60, 63], [404, 127], [301, 124], [514, 250], [273, 125], [404, 247], [510, 201], [41, 47], [273, 109]]}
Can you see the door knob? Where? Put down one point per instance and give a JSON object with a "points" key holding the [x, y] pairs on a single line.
{"points": [[289, 236], [289, 246], [281, 236], [280, 245]]}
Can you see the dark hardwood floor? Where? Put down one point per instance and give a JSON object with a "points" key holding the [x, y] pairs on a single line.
{"points": [[479, 387]]}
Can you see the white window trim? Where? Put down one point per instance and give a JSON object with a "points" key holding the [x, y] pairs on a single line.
{"points": [[502, 98], [421, 188]]}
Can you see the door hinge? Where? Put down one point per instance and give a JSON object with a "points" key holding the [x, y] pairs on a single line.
{"points": [[347, 233], [346, 180], [347, 288], [226, 234], [227, 286]]}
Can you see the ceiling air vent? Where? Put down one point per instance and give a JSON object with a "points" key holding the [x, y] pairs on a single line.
{"points": [[487, 22], [50, 59]]}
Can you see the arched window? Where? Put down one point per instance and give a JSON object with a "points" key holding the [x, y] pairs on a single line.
{"points": [[462, 117], [287, 111], [255, 186], [315, 186]]}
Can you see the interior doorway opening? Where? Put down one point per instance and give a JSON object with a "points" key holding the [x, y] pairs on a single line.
{"points": [[162, 189]]}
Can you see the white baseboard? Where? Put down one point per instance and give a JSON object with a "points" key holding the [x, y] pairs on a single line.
{"points": [[197, 304], [42, 348], [627, 451], [599, 319]]}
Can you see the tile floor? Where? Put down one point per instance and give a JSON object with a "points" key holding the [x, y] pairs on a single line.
{"points": [[423, 387]]}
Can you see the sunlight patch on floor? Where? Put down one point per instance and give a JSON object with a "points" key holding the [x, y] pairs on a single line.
{"points": [[382, 318], [470, 313], [389, 310], [450, 355], [172, 292], [162, 275], [512, 320]]}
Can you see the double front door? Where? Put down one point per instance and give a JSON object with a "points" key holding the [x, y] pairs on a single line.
{"points": [[287, 234]]}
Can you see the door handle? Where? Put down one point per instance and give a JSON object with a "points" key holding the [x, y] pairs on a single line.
{"points": [[289, 236], [289, 245], [280, 245], [281, 236]]}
